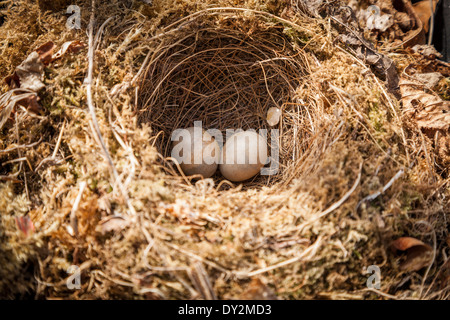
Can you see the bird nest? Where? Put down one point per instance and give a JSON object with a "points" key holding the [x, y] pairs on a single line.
{"points": [[353, 176], [227, 72]]}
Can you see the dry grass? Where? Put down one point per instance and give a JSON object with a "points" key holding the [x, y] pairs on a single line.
{"points": [[305, 233]]}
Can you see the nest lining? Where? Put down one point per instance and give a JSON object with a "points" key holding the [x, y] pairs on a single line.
{"points": [[228, 73]]}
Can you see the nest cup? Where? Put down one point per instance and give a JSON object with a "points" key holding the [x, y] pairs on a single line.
{"points": [[228, 71]]}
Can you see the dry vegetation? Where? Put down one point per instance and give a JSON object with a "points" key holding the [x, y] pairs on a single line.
{"points": [[139, 230]]}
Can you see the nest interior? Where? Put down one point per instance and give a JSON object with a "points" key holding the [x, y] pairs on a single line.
{"points": [[227, 73]]}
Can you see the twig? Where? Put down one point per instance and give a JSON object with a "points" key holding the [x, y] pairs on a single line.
{"points": [[430, 34], [100, 31], [88, 82], [381, 293], [14, 161], [308, 252], [52, 158], [387, 186], [200, 279], [20, 147], [21, 163], [58, 143], [73, 213]]}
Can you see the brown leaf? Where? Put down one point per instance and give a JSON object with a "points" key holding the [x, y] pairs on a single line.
{"points": [[31, 103], [405, 243], [311, 7], [68, 47], [29, 77], [9, 99], [31, 72], [431, 114], [45, 52], [418, 254], [13, 81], [428, 110], [423, 12], [429, 79]]}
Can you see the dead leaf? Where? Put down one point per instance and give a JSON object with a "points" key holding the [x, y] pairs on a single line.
{"points": [[425, 107], [382, 65], [12, 97], [423, 12], [311, 7], [68, 47], [418, 254], [427, 51], [45, 52], [404, 243], [428, 110], [13, 81], [31, 73], [431, 114], [27, 79], [430, 79], [31, 103], [427, 66], [416, 35]]}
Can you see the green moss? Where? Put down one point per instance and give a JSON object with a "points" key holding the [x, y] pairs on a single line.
{"points": [[377, 117]]}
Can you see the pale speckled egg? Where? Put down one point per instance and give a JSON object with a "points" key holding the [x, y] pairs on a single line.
{"points": [[197, 152], [243, 156], [273, 116]]}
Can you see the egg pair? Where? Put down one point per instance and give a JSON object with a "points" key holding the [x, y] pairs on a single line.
{"points": [[241, 158]]}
